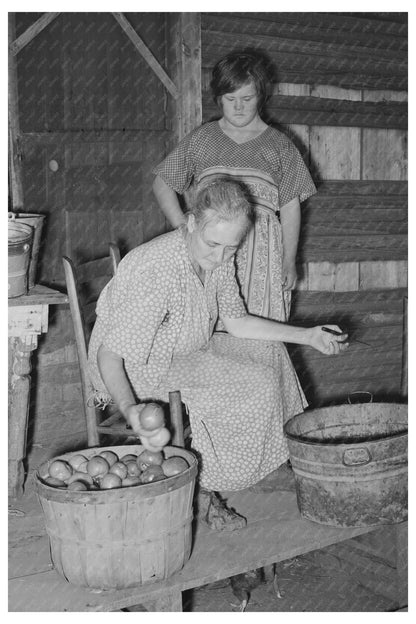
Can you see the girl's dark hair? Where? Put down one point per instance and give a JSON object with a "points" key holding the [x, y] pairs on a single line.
{"points": [[237, 69]]}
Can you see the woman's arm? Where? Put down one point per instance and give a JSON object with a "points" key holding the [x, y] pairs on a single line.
{"points": [[255, 327], [111, 367], [290, 219], [168, 202]]}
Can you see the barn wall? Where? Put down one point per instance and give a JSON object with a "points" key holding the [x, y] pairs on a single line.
{"points": [[340, 93], [94, 121], [90, 103]]}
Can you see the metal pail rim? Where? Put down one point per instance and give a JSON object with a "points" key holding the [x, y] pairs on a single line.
{"points": [[19, 232]]}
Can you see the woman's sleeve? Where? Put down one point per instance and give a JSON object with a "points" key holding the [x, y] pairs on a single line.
{"points": [[178, 168], [230, 302], [296, 180], [137, 304]]}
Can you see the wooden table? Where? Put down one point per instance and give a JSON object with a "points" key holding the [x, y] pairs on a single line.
{"points": [[275, 532], [28, 318]]}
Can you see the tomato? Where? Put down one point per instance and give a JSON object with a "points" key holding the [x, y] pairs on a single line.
{"points": [[98, 466], [127, 458], [152, 416], [174, 465], [160, 439], [148, 458], [79, 486], [119, 469], [110, 481], [153, 473], [110, 456], [60, 469], [54, 482], [133, 469], [131, 481], [80, 476], [76, 461]]}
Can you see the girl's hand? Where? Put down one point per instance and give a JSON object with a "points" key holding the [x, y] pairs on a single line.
{"points": [[328, 343], [289, 275]]}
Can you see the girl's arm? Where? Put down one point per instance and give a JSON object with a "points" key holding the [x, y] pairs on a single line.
{"points": [[290, 219], [168, 202]]}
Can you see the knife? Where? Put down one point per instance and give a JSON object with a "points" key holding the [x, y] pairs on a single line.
{"points": [[335, 333]]}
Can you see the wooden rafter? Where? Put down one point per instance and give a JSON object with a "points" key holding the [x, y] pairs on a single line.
{"points": [[146, 54], [31, 32]]}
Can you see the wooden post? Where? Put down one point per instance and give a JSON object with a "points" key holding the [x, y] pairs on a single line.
{"points": [[404, 380], [22, 348], [185, 37], [15, 160]]}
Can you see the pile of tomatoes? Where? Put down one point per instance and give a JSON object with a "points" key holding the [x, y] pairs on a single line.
{"points": [[106, 470]]}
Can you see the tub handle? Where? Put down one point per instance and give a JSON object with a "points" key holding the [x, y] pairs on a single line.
{"points": [[26, 247], [360, 396], [356, 456]]}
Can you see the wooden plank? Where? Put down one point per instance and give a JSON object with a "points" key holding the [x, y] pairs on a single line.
{"points": [[384, 154], [275, 532], [361, 309], [90, 136], [333, 55], [336, 24], [31, 32], [380, 188], [358, 248], [390, 274], [39, 295], [320, 111], [146, 54], [306, 28]]}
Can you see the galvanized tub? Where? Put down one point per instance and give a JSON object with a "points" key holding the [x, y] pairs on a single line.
{"points": [[35, 221], [20, 238], [350, 464], [124, 537]]}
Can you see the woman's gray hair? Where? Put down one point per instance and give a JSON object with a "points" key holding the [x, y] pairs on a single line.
{"points": [[223, 200]]}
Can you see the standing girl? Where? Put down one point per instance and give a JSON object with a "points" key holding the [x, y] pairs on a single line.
{"points": [[242, 147]]}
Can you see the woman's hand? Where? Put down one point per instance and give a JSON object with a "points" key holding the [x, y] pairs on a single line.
{"points": [[132, 415], [328, 343]]}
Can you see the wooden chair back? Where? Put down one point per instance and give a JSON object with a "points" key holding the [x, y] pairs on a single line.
{"points": [[84, 284]]}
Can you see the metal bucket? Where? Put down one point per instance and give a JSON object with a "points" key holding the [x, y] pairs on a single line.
{"points": [[350, 464], [36, 222], [20, 241]]}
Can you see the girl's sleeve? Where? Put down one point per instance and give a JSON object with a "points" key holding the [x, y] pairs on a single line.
{"points": [[230, 302], [296, 180], [178, 168]]}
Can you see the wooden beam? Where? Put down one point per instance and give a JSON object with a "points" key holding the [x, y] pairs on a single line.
{"points": [[185, 53], [146, 54], [31, 32], [15, 160]]}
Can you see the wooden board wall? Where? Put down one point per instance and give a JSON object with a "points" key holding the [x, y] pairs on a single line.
{"points": [[93, 117], [340, 93], [344, 133]]}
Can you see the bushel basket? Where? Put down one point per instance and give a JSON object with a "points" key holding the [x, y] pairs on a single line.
{"points": [[122, 537]]}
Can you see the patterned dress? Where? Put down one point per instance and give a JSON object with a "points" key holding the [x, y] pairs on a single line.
{"points": [[159, 317], [273, 172]]}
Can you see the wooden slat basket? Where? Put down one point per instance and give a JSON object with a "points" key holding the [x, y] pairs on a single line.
{"points": [[124, 537]]}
